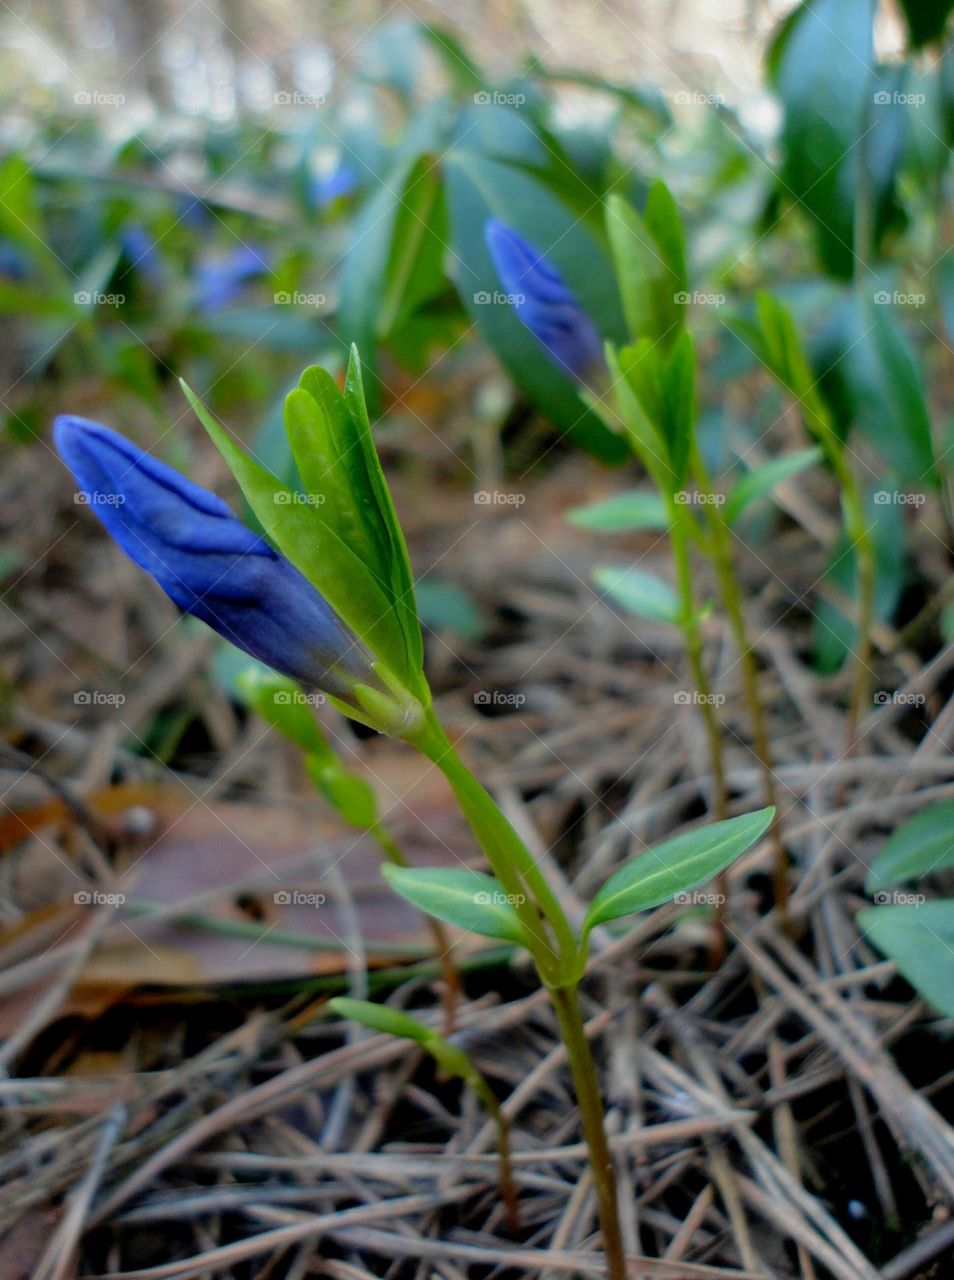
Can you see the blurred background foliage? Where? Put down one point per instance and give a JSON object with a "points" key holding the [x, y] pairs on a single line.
{"points": [[227, 191]]}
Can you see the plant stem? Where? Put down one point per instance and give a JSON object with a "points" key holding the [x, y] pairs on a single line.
{"points": [[865, 570], [513, 865], [508, 1188], [558, 957], [689, 622], [567, 1007], [720, 555]]}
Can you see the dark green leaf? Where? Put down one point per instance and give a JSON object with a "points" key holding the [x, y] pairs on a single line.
{"points": [[920, 940], [923, 844]]}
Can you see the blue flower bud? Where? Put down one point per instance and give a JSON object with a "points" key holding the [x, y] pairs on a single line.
{"points": [[543, 302], [209, 563]]}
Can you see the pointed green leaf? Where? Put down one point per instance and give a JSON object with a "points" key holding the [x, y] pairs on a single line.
{"points": [[674, 867], [282, 703], [923, 844], [920, 940], [639, 592], [638, 509], [350, 794], [642, 429], [468, 899], [760, 481], [378, 1017], [649, 254], [314, 547]]}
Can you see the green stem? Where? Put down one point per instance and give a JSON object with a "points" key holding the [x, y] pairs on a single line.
{"points": [[680, 535], [550, 940], [719, 551], [512, 862], [567, 1007], [865, 569]]}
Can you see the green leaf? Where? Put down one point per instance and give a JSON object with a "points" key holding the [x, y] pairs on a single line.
{"points": [[468, 899], [650, 257], [378, 1017], [638, 509], [401, 577], [314, 547], [674, 867], [760, 481], [923, 844], [920, 940], [642, 431], [640, 593], [824, 78]]}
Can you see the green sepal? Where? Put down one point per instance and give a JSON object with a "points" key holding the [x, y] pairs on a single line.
{"points": [[350, 794]]}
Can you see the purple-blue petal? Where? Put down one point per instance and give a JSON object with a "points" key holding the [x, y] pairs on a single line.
{"points": [[544, 303], [208, 562]]}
